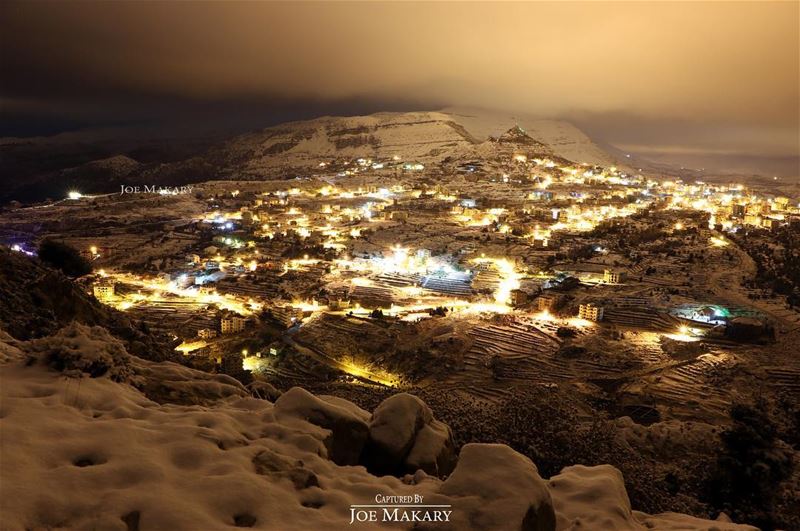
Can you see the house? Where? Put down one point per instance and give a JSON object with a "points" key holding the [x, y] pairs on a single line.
{"points": [[185, 280], [209, 277], [549, 301], [338, 303], [103, 291], [518, 297], [614, 277], [232, 323], [286, 315], [206, 333], [590, 312]]}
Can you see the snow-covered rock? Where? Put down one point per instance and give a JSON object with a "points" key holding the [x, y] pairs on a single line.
{"points": [[395, 423], [507, 487], [267, 462], [345, 422], [403, 436], [681, 522], [263, 390], [434, 450], [85, 449], [592, 498], [78, 349], [9, 351]]}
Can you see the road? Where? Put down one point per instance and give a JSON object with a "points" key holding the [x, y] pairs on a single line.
{"points": [[323, 358]]}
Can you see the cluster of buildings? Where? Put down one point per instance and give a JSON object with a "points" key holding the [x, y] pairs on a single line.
{"points": [[278, 247], [732, 207]]}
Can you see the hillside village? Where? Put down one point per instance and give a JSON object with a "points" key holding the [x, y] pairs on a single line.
{"points": [[369, 256]]}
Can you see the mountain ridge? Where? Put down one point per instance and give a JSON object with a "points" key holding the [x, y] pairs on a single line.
{"points": [[282, 151]]}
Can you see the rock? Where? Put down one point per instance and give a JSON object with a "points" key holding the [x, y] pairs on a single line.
{"points": [[404, 437], [592, 498], [78, 350], [500, 488], [266, 461], [302, 478], [434, 450], [395, 423], [269, 463], [263, 390], [346, 422], [683, 522], [171, 383]]}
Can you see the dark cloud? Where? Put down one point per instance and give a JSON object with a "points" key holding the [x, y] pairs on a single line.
{"points": [[718, 76]]}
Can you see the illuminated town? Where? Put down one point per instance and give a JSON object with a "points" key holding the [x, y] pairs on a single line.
{"points": [[531, 245]]}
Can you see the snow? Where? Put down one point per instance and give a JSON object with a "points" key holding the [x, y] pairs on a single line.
{"points": [[344, 424], [427, 137], [396, 422], [415, 136], [84, 448], [506, 485], [680, 522], [562, 137], [586, 493], [404, 435]]}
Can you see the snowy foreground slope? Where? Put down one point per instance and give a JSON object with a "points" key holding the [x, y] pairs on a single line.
{"points": [[94, 438]]}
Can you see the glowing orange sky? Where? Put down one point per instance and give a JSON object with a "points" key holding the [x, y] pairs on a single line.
{"points": [[732, 65]]}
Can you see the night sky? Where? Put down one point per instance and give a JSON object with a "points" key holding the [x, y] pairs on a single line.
{"points": [[659, 77]]}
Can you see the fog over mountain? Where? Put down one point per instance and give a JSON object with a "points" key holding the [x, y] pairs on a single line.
{"points": [[656, 79]]}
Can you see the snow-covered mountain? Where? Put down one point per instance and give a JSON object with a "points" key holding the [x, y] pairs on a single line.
{"points": [[419, 136], [563, 138], [46, 167], [425, 137]]}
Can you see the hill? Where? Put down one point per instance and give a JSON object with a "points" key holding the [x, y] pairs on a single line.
{"points": [[93, 439], [426, 137], [562, 138], [49, 167], [429, 138], [36, 301]]}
